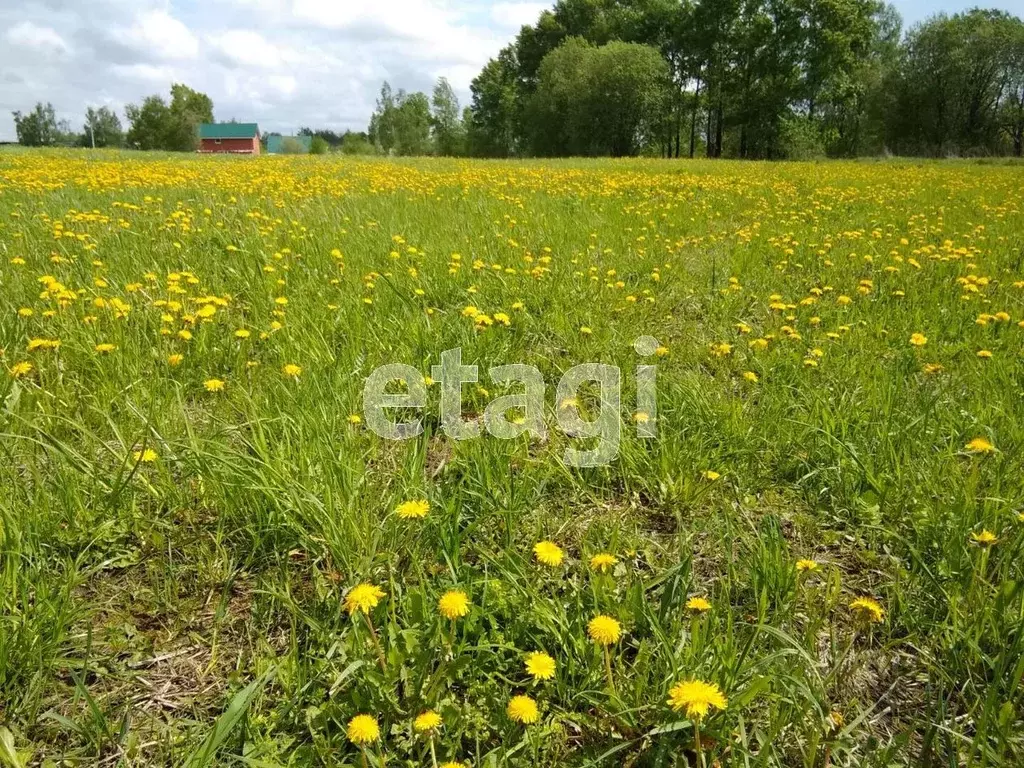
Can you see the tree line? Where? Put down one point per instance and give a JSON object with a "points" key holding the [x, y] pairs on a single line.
{"points": [[403, 124], [415, 124], [715, 78], [155, 123], [751, 79]]}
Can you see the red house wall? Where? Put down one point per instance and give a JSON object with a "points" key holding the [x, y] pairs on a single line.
{"points": [[250, 146]]}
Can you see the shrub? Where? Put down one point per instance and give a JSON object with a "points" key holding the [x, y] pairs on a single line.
{"points": [[292, 146]]}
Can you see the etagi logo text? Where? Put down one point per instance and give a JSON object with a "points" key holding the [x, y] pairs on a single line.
{"points": [[451, 375]]}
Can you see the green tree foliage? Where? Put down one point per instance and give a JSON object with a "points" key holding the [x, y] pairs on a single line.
{"points": [[357, 143], [402, 122], [382, 123], [155, 124], [292, 146], [332, 139], [555, 114], [37, 128], [591, 100], [495, 127], [147, 123], [188, 109], [102, 128], [446, 120], [318, 146], [626, 93], [766, 79], [856, 125], [412, 124], [959, 78], [1011, 110]]}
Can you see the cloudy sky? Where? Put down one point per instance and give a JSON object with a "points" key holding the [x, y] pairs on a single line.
{"points": [[281, 63]]}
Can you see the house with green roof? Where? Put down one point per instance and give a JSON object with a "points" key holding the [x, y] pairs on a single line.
{"points": [[230, 138]]}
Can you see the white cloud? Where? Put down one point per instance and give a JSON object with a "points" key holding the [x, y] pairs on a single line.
{"points": [[409, 19], [37, 38], [285, 85], [145, 73], [160, 35], [248, 48], [282, 63], [512, 16]]}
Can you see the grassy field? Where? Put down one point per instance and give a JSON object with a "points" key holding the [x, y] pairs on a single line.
{"points": [[207, 558]]}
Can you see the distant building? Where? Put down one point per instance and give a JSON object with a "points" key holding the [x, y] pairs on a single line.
{"points": [[237, 138], [288, 145]]}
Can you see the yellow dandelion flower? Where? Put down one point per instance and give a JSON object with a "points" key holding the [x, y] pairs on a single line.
{"points": [[698, 605], [291, 370], [523, 710], [413, 509], [548, 553], [696, 698], [604, 630], [174, 360], [751, 377], [426, 722], [868, 610], [214, 385], [984, 354], [712, 475], [806, 565], [540, 665], [363, 597], [721, 349], [918, 339], [105, 348], [35, 344], [454, 764], [147, 456], [453, 604], [980, 445], [355, 418], [603, 562], [984, 539], [363, 729], [21, 369]]}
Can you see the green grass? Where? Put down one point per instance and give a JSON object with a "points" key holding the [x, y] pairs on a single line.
{"points": [[190, 610]]}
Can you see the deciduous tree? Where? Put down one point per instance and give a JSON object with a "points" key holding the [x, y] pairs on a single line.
{"points": [[102, 128], [37, 128]]}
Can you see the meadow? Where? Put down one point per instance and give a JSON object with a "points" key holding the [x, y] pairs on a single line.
{"points": [[207, 558]]}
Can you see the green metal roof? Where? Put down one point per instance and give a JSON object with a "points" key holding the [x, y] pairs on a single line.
{"points": [[228, 130]]}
